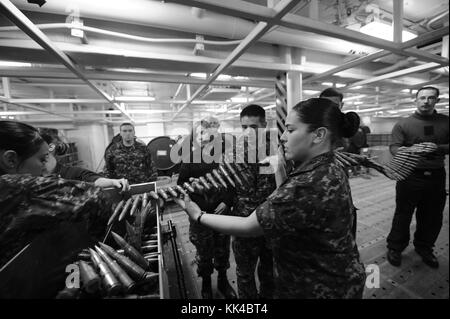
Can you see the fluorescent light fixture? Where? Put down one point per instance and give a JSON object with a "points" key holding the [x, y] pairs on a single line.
{"points": [[310, 92], [269, 107], [340, 85], [224, 77], [358, 103], [384, 30], [234, 111], [405, 90], [356, 87], [241, 78], [198, 75], [327, 83], [240, 99], [14, 64], [134, 98]]}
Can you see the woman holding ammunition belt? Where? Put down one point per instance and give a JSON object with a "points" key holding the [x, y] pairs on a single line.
{"points": [[33, 205], [213, 248], [308, 219]]}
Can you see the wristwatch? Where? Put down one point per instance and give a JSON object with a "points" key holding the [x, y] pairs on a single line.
{"points": [[200, 216]]}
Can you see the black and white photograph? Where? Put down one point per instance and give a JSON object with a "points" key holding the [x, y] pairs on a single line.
{"points": [[214, 158]]}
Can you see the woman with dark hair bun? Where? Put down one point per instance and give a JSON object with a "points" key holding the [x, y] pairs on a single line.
{"points": [[32, 205], [308, 219]]}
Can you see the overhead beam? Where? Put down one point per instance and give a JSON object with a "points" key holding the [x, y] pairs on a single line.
{"points": [[281, 9], [35, 108], [348, 65], [259, 13], [424, 38], [71, 48], [18, 18], [99, 101], [50, 73], [419, 68]]}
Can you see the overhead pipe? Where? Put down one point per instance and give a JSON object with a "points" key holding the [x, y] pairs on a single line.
{"points": [[180, 18], [17, 17]]}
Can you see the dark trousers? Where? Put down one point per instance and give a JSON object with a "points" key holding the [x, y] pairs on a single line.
{"points": [[423, 192], [248, 253], [213, 249]]}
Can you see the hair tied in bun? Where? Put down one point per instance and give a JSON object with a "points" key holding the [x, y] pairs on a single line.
{"points": [[350, 125]]}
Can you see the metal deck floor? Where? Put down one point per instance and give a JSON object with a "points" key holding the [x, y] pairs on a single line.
{"points": [[375, 198]]}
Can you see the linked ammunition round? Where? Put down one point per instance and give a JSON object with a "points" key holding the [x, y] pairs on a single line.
{"points": [[127, 283], [89, 278], [111, 284]]}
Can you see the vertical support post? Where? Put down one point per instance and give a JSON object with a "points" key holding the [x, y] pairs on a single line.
{"points": [[6, 87], [188, 92], [281, 102], [313, 9], [398, 20], [444, 51], [52, 96]]}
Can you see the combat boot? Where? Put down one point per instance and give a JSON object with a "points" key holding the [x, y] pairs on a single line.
{"points": [[206, 288], [224, 286]]}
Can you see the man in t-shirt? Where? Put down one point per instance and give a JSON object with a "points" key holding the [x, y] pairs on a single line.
{"points": [[423, 191]]}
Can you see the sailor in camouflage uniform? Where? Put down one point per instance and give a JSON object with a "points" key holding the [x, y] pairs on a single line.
{"points": [[129, 159], [212, 248], [249, 250], [308, 219], [31, 204]]}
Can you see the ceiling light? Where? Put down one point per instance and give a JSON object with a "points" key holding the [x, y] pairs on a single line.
{"points": [[14, 64], [134, 98], [239, 99], [310, 92], [198, 75], [356, 87], [340, 85], [327, 83], [269, 107], [224, 77], [384, 30]]}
